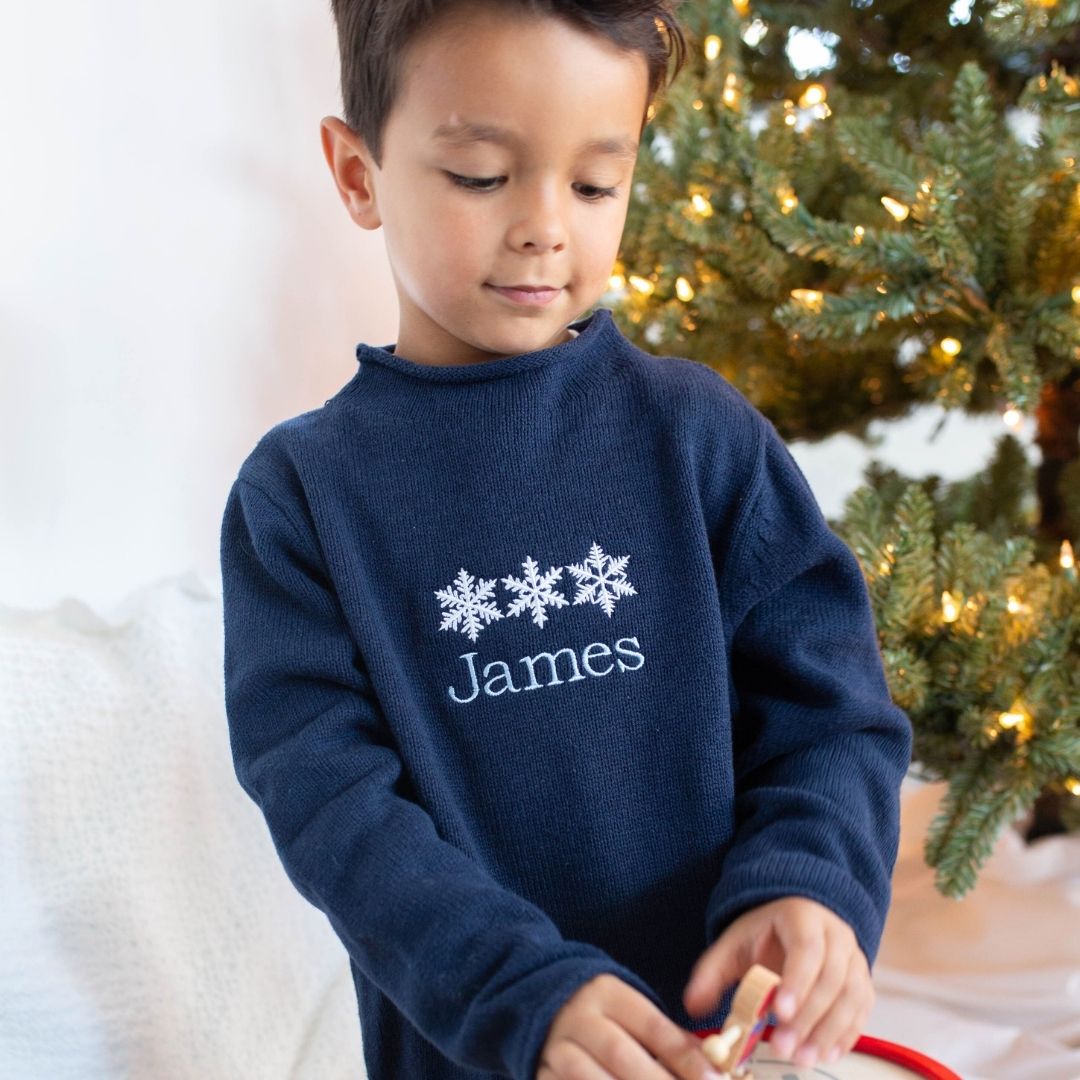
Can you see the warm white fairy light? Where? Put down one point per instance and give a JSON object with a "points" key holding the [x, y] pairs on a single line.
{"points": [[1072, 785], [684, 290], [950, 609], [860, 232], [643, 285], [950, 346], [731, 91], [616, 282], [713, 45], [701, 205], [742, 7], [811, 298], [1012, 417], [1067, 558], [897, 209], [1017, 718], [1076, 294]]}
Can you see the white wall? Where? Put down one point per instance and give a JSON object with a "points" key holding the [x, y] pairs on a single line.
{"points": [[178, 274]]}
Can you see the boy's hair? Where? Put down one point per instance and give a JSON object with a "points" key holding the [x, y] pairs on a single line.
{"points": [[373, 36]]}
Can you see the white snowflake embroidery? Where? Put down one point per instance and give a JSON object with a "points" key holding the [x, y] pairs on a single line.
{"points": [[469, 608], [601, 578], [535, 593]]}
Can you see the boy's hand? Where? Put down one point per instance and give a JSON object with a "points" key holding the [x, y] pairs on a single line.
{"points": [[825, 994], [608, 1029]]}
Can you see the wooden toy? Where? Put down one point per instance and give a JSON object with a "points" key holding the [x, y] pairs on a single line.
{"points": [[730, 1050], [742, 1044]]}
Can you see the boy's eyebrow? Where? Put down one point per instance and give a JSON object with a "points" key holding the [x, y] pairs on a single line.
{"points": [[469, 132]]}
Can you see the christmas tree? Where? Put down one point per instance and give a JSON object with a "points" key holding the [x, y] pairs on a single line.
{"points": [[888, 218]]}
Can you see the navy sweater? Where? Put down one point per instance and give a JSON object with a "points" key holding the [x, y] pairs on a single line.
{"points": [[546, 667]]}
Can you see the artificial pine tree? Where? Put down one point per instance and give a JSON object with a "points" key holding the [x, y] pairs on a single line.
{"points": [[905, 230]]}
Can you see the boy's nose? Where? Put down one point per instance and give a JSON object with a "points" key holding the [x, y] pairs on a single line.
{"points": [[539, 223]]}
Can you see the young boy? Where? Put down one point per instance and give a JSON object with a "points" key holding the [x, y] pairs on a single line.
{"points": [[541, 662]]}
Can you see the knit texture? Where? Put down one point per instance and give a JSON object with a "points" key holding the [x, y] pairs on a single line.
{"points": [[542, 668]]}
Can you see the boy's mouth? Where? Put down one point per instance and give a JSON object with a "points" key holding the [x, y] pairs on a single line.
{"points": [[533, 295]]}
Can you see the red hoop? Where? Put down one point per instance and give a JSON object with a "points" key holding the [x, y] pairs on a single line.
{"points": [[921, 1065]]}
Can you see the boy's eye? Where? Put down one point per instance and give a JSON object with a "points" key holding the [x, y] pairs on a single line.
{"points": [[590, 192]]}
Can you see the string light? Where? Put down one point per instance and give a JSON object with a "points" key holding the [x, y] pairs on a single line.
{"points": [[1067, 559], [1016, 605], [742, 7], [788, 199], [897, 209], [701, 205], [698, 104], [731, 91], [1012, 417], [860, 232], [1017, 718], [950, 609], [1076, 294], [617, 282], [1072, 785], [950, 346], [814, 94], [684, 290], [643, 285], [810, 297], [713, 45]]}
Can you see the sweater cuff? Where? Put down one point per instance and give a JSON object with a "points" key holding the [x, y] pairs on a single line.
{"points": [[779, 875]]}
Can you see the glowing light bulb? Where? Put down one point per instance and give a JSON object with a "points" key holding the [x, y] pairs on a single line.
{"points": [[1076, 294], [897, 209], [950, 346], [1017, 718], [741, 6], [731, 91], [684, 290], [701, 205], [1072, 785], [814, 94], [643, 285], [1067, 559], [713, 45], [1014, 605], [950, 609], [860, 232], [1012, 417], [812, 298], [616, 282]]}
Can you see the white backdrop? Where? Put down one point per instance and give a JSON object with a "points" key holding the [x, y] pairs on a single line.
{"points": [[178, 274]]}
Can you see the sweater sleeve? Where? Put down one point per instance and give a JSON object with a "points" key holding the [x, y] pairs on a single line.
{"points": [[478, 970], [819, 747]]}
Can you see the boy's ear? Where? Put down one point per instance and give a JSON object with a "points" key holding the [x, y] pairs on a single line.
{"points": [[352, 168]]}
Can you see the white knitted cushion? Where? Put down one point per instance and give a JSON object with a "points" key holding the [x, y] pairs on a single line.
{"points": [[147, 928]]}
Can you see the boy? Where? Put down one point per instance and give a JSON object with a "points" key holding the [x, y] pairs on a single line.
{"points": [[541, 662]]}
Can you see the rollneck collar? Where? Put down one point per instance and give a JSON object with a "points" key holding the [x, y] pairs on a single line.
{"points": [[594, 331]]}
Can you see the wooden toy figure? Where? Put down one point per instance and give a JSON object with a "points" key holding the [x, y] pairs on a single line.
{"points": [[730, 1050]]}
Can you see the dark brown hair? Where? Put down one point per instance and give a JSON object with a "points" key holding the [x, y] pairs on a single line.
{"points": [[374, 34]]}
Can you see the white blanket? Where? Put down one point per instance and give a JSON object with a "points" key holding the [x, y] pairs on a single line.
{"points": [[149, 930]]}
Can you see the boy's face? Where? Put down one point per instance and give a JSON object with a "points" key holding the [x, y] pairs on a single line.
{"points": [[538, 218]]}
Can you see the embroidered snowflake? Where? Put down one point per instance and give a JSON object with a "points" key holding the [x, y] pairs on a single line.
{"points": [[468, 607], [535, 593], [601, 579]]}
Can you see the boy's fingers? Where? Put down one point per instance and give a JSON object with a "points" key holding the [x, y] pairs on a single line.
{"points": [[837, 1021], [724, 962], [828, 986], [677, 1049]]}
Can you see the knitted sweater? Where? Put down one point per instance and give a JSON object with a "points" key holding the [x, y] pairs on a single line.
{"points": [[545, 667]]}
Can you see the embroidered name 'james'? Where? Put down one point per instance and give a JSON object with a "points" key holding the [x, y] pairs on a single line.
{"points": [[498, 678]]}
